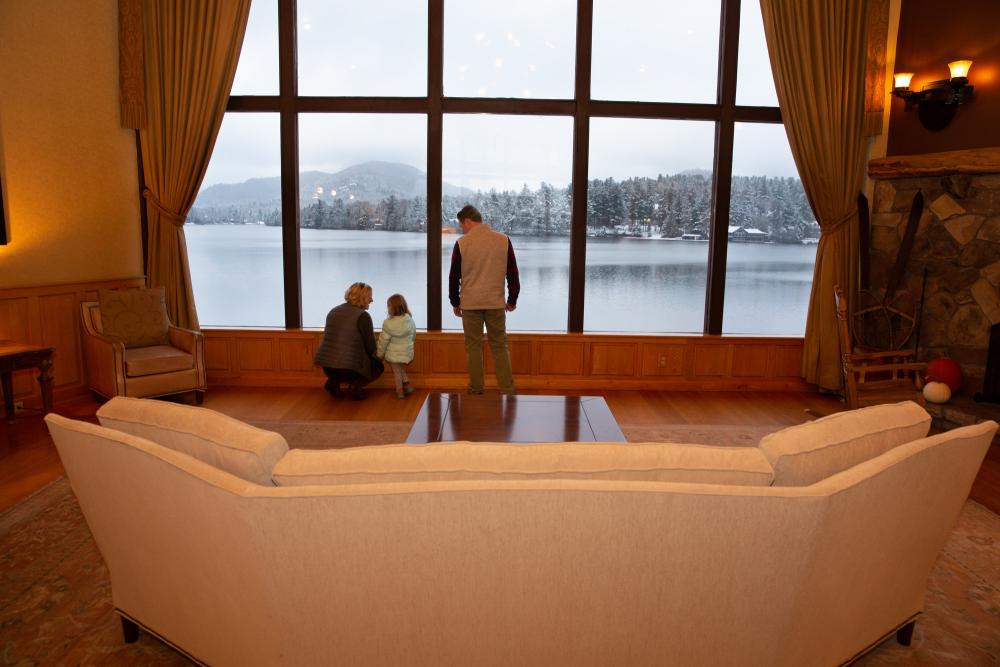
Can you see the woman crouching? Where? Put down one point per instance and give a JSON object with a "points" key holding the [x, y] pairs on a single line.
{"points": [[347, 351]]}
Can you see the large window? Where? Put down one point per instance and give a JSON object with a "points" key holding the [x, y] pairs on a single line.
{"points": [[649, 210], [772, 237], [362, 210], [376, 47], [233, 232], [514, 48], [655, 50], [631, 149], [515, 170]]}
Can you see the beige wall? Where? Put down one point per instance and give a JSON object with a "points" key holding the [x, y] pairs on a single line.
{"points": [[69, 168]]}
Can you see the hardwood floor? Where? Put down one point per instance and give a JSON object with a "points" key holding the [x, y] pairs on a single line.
{"points": [[28, 459]]}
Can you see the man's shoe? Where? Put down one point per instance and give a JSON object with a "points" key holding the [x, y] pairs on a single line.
{"points": [[475, 392], [334, 389], [407, 390], [357, 393]]}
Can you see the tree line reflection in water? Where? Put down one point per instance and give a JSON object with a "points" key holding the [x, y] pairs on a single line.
{"points": [[632, 285]]}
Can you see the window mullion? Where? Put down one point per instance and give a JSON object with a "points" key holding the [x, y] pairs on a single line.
{"points": [[287, 92], [435, 91], [715, 284], [581, 162]]}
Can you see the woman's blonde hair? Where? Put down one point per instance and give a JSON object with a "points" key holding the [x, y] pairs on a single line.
{"points": [[397, 305], [358, 294]]}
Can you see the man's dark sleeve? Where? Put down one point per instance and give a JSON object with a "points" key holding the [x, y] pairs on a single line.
{"points": [[367, 331], [455, 277], [513, 279]]}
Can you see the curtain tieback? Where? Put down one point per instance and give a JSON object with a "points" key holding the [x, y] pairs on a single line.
{"points": [[830, 228], [173, 217]]}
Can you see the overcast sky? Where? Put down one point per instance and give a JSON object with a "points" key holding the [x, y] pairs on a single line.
{"points": [[651, 50]]}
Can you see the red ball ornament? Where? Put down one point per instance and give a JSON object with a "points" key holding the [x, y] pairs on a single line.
{"points": [[945, 370]]}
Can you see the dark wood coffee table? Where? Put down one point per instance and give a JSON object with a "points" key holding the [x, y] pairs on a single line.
{"points": [[499, 418]]}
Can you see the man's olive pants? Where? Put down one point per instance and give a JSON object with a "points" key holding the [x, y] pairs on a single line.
{"points": [[495, 321]]}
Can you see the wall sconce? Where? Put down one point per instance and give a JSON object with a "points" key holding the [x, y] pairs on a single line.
{"points": [[937, 101]]}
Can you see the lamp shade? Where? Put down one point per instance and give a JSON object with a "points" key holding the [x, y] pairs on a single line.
{"points": [[902, 79], [960, 68]]}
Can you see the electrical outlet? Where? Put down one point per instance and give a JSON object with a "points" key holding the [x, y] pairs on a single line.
{"points": [[661, 362], [18, 406]]}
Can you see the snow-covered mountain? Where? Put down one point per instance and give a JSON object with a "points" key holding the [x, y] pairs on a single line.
{"points": [[369, 181]]}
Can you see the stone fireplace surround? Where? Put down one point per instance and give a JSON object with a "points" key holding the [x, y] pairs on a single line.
{"points": [[958, 242]]}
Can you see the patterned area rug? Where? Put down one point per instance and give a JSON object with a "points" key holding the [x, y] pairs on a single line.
{"points": [[55, 596]]}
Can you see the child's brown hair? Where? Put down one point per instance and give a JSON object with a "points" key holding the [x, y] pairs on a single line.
{"points": [[397, 305]]}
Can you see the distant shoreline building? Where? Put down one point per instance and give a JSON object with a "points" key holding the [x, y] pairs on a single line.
{"points": [[744, 234]]}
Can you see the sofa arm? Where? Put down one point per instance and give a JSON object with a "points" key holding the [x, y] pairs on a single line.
{"points": [[104, 358], [192, 342], [184, 339]]}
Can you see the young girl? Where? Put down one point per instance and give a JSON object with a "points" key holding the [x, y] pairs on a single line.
{"points": [[395, 342]]}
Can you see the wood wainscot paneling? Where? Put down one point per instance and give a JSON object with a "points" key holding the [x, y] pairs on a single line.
{"points": [[666, 360], [447, 356], [521, 353], [217, 355], [750, 360], [787, 360], [560, 357], [296, 354], [613, 359], [49, 315], [575, 362], [713, 360]]}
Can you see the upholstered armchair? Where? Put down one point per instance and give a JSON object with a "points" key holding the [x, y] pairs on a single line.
{"points": [[173, 365]]}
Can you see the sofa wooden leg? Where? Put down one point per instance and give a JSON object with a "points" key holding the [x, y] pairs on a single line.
{"points": [[199, 397], [905, 634], [130, 630]]}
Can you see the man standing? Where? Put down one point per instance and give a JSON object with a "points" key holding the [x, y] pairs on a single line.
{"points": [[480, 262]]}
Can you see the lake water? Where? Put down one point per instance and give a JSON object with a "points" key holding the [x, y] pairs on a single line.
{"points": [[632, 285]]}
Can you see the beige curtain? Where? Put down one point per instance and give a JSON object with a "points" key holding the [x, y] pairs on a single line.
{"points": [[190, 51], [817, 52]]}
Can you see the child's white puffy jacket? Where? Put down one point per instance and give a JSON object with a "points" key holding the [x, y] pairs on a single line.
{"points": [[395, 342]]}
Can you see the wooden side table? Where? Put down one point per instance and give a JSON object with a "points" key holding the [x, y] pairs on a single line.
{"points": [[16, 356]]}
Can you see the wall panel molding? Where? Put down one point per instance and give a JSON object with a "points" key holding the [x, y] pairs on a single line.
{"points": [[584, 362], [50, 315]]}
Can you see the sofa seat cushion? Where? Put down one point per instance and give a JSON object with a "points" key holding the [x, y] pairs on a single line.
{"points": [[217, 439], [804, 454], [653, 462], [137, 317], [156, 359]]}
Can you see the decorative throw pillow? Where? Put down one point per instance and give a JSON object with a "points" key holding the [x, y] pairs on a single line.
{"points": [[137, 317], [804, 454], [217, 439]]}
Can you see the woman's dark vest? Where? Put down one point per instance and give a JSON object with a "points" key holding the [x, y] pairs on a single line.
{"points": [[342, 346]]}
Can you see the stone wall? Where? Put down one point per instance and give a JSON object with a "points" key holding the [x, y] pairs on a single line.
{"points": [[957, 242]]}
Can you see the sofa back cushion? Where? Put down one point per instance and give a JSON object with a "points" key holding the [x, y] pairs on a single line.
{"points": [[654, 462], [217, 439], [137, 317], [805, 454]]}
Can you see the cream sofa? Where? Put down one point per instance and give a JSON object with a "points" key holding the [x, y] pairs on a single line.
{"points": [[806, 550]]}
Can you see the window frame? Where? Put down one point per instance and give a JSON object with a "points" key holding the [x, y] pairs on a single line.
{"points": [[725, 113]]}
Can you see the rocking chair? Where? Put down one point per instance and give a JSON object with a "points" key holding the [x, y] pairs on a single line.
{"points": [[874, 377]]}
